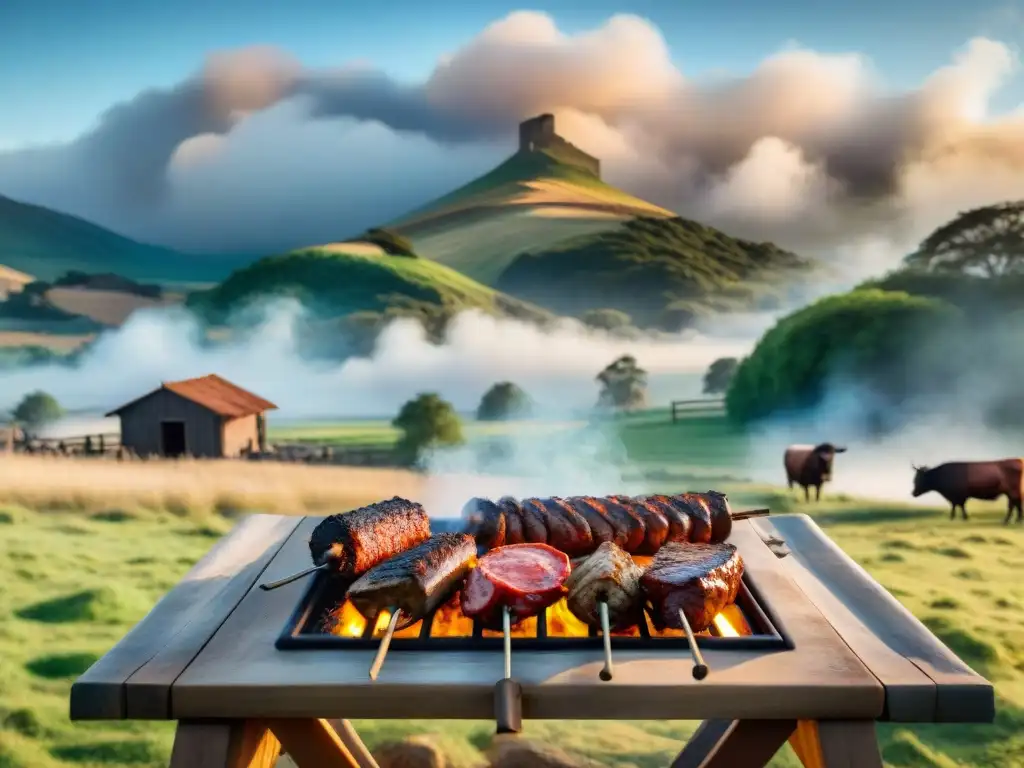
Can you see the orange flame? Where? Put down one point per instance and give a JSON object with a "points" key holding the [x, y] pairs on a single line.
{"points": [[346, 621], [562, 623]]}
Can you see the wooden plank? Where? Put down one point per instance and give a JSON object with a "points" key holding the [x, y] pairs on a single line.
{"points": [[880, 630], [240, 673], [836, 744], [181, 622], [313, 744], [231, 744], [736, 744], [347, 733]]}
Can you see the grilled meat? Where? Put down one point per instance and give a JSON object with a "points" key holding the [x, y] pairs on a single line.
{"points": [[356, 541], [514, 532], [680, 527], [415, 581], [608, 575], [534, 517], [700, 579], [568, 530], [698, 509], [526, 578], [601, 529], [485, 522], [656, 525]]}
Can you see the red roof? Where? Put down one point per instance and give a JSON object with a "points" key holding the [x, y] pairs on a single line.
{"points": [[215, 394]]}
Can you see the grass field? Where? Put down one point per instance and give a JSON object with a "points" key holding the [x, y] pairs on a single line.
{"points": [[962, 579]]}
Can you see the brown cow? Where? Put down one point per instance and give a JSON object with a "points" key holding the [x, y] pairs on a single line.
{"points": [[959, 481], [810, 465]]}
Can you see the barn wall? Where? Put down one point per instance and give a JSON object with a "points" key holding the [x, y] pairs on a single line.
{"points": [[238, 433], [140, 425]]}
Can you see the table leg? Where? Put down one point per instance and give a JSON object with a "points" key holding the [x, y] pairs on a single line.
{"points": [[734, 743], [834, 743], [355, 745], [224, 744], [312, 743]]}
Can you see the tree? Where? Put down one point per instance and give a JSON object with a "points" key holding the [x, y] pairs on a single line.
{"points": [[503, 401], [987, 241], [719, 374], [623, 384], [880, 341], [606, 319], [426, 422], [37, 409]]}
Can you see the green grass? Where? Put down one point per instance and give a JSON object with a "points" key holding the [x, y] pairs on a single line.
{"points": [[961, 579]]}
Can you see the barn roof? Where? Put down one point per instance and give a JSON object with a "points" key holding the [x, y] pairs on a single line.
{"points": [[213, 393]]}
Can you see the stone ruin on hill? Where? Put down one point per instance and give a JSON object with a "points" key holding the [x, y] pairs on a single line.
{"points": [[538, 134]]}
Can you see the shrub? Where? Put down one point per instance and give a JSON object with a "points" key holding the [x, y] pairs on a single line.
{"points": [[623, 384], [719, 374], [503, 401], [426, 422], [867, 336]]}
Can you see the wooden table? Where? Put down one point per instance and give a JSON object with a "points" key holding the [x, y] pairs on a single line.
{"points": [[205, 656]]}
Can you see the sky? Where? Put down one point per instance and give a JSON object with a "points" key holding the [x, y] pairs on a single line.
{"points": [[845, 131]]}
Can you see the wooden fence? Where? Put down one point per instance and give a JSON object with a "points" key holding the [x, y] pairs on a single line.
{"points": [[89, 445], [706, 405]]}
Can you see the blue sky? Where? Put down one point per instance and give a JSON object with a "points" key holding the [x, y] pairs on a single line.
{"points": [[62, 62]]}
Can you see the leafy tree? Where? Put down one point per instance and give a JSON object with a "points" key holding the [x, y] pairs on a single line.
{"points": [[426, 422], [623, 384], [987, 241], [37, 409], [877, 339], [606, 319], [503, 401], [719, 374]]}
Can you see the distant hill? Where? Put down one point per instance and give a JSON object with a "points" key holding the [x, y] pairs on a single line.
{"points": [[663, 272], [541, 195], [340, 279], [47, 244]]}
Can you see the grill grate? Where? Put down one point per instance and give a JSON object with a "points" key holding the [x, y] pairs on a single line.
{"points": [[303, 630]]}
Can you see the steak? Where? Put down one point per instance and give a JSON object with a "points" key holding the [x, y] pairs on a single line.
{"points": [[353, 542], [699, 579], [415, 581], [526, 578], [608, 575]]}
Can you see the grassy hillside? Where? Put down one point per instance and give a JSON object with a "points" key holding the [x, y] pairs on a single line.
{"points": [[344, 278], [531, 200], [662, 272], [47, 244]]}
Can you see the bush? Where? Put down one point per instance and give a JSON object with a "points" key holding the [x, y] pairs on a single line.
{"points": [[606, 319], [426, 422], [623, 384], [868, 336], [392, 242], [719, 374], [503, 401], [37, 409]]}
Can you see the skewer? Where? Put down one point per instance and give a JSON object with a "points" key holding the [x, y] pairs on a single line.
{"points": [[508, 694], [700, 669], [746, 515], [506, 628], [606, 673], [382, 649], [294, 577]]}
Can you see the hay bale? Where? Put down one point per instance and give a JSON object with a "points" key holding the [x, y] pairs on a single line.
{"points": [[511, 751], [413, 752]]}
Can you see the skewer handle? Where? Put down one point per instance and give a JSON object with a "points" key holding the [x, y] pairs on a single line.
{"points": [[385, 642], [747, 514], [606, 633], [700, 669], [508, 694], [294, 577]]}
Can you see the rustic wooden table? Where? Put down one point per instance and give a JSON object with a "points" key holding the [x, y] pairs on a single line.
{"points": [[205, 656]]}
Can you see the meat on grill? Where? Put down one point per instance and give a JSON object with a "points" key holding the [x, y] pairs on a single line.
{"points": [[353, 542], [700, 579], [578, 525], [415, 581], [526, 578], [608, 575]]}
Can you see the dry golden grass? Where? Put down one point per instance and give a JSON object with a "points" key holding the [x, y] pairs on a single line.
{"points": [[107, 307], [54, 341], [196, 486]]}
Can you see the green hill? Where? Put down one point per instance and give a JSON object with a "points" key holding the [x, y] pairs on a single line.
{"points": [[662, 272], [337, 280], [47, 244]]}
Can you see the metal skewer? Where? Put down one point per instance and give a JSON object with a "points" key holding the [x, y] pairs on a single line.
{"points": [[606, 672], [294, 577], [508, 694], [700, 669], [382, 649], [506, 628], [746, 515]]}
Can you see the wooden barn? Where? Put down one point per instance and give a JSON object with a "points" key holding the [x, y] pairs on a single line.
{"points": [[207, 417]]}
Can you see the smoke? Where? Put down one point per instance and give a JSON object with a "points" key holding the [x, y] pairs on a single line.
{"points": [[810, 150]]}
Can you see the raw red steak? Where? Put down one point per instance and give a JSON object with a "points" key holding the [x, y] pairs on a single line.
{"points": [[525, 577]]}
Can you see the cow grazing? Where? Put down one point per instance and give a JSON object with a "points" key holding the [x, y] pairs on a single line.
{"points": [[959, 481], [810, 466]]}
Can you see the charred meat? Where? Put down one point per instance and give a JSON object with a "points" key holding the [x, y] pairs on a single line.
{"points": [[415, 581], [485, 521], [526, 578], [356, 541], [611, 576], [699, 579]]}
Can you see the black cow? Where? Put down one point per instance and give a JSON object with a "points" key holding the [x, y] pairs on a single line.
{"points": [[959, 481], [810, 465]]}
